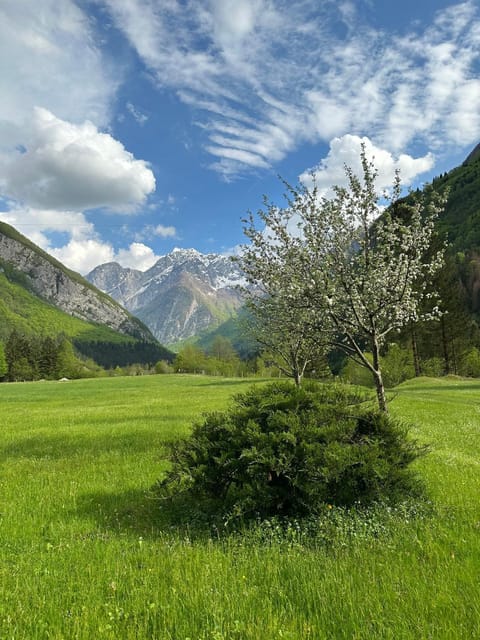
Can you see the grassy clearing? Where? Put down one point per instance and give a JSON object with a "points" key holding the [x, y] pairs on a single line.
{"points": [[85, 555]]}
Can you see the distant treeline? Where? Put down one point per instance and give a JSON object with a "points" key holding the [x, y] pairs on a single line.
{"points": [[110, 355], [26, 357], [44, 357]]}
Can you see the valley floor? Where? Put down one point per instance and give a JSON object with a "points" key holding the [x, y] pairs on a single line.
{"points": [[86, 553]]}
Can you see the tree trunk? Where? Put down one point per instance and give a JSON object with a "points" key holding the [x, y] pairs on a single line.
{"points": [[416, 359], [445, 346], [454, 358], [297, 376], [377, 376], [380, 389]]}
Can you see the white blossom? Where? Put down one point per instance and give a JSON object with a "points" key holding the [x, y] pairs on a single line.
{"points": [[352, 273]]}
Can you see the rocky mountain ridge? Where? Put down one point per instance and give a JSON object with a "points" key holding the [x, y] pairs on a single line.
{"points": [[183, 294], [51, 281]]}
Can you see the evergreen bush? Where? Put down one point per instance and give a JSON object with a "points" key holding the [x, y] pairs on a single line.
{"points": [[281, 450]]}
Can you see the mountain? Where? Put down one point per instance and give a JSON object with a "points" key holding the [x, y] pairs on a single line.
{"points": [[460, 222], [40, 296], [474, 155], [184, 294]]}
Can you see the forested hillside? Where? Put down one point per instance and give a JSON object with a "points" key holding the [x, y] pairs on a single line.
{"points": [[461, 219], [50, 318], [451, 344]]}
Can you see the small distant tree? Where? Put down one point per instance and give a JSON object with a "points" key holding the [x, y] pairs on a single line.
{"points": [[21, 370], [470, 363], [222, 358], [356, 272], [456, 330], [397, 365], [280, 322], [67, 362], [48, 357], [286, 334], [162, 366], [18, 356], [222, 349], [190, 359]]}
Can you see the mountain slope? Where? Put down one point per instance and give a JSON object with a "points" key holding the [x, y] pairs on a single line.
{"points": [[460, 221], [182, 295], [65, 289], [40, 297]]}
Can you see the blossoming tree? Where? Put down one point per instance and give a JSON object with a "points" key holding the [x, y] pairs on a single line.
{"points": [[353, 271]]}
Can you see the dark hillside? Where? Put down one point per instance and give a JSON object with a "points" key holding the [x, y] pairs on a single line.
{"points": [[461, 219]]}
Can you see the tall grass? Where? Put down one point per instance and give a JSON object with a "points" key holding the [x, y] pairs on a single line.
{"points": [[85, 553]]}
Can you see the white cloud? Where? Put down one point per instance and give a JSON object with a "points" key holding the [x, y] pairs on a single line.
{"points": [[58, 88], [138, 116], [267, 76], [36, 223], [73, 222], [137, 256], [68, 166], [83, 255], [234, 20], [49, 58], [164, 232], [159, 230], [346, 151], [237, 155], [83, 249]]}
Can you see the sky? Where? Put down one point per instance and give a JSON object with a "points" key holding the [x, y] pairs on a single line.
{"points": [[131, 127]]}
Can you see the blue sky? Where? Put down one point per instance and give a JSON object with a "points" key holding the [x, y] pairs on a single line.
{"points": [[130, 127]]}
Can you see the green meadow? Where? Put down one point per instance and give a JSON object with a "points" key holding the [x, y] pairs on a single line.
{"points": [[87, 553]]}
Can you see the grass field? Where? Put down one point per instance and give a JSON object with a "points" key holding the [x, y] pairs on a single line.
{"points": [[84, 553]]}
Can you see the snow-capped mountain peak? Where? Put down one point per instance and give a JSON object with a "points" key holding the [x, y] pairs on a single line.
{"points": [[182, 294]]}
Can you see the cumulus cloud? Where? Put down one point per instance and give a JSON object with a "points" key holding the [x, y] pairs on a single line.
{"points": [[82, 248], [37, 223], [68, 166], [137, 256], [345, 151], [83, 255], [267, 76], [56, 160]]}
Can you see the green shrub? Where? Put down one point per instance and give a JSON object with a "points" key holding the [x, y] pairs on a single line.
{"points": [[162, 366], [282, 451], [356, 374], [470, 363], [433, 367], [3, 362], [397, 366]]}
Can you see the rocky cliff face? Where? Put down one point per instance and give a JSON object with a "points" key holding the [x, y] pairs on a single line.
{"points": [[183, 294], [66, 290]]}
